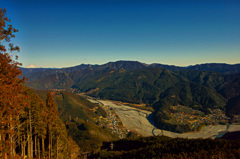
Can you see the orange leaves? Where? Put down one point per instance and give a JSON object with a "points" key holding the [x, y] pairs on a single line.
{"points": [[11, 87], [6, 33], [2, 48], [51, 104]]}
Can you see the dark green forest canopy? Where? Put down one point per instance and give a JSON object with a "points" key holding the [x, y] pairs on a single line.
{"points": [[135, 65], [165, 147], [156, 87], [143, 85]]}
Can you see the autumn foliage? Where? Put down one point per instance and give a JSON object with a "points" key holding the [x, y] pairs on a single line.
{"points": [[11, 89], [28, 126]]}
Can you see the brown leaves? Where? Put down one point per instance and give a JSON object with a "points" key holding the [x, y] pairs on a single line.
{"points": [[12, 99], [51, 105], [6, 33]]}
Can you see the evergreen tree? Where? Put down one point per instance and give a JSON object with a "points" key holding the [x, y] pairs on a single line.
{"points": [[11, 89], [28, 126]]}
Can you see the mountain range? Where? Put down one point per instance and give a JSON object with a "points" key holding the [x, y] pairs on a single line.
{"points": [[132, 65], [199, 87]]}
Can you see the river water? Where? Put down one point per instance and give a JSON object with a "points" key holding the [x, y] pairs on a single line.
{"points": [[140, 121]]}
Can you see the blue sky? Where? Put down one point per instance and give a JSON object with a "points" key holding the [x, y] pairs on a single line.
{"points": [[62, 33]]}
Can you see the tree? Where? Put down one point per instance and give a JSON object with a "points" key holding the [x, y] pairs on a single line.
{"points": [[24, 118], [11, 89], [52, 116], [50, 103]]}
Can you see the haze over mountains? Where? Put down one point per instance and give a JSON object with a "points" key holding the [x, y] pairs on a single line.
{"points": [[203, 88]]}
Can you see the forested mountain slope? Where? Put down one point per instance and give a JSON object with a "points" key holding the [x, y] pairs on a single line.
{"points": [[156, 87], [134, 65], [167, 148], [45, 129], [79, 116]]}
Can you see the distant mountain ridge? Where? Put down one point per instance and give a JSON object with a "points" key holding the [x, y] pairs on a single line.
{"points": [[133, 65]]}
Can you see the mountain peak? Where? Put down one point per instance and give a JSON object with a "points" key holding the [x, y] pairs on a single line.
{"points": [[32, 66]]}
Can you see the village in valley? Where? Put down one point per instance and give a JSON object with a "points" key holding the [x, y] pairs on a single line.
{"points": [[112, 122], [179, 115], [182, 115]]}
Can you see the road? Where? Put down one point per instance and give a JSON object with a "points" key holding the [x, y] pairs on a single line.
{"points": [[141, 121]]}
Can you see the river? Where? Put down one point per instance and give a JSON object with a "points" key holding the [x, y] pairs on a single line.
{"points": [[141, 121]]}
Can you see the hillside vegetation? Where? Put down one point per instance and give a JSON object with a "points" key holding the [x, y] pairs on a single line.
{"points": [[62, 125], [29, 126], [80, 116], [134, 65], [168, 148], [159, 88]]}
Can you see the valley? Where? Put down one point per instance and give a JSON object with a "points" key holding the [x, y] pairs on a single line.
{"points": [[119, 109], [111, 121], [183, 100], [195, 119], [141, 122]]}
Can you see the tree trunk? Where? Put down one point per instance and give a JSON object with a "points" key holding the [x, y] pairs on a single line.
{"points": [[49, 144], [57, 147], [24, 146], [43, 147], [12, 154], [12, 147], [39, 149], [30, 141], [19, 139], [35, 149], [31, 137], [28, 145], [1, 143]]}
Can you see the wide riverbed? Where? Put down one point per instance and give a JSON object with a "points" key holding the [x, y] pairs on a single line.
{"points": [[141, 121]]}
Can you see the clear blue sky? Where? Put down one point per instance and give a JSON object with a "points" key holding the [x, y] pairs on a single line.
{"points": [[62, 33]]}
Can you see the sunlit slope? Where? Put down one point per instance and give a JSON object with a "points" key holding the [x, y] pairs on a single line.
{"points": [[79, 116]]}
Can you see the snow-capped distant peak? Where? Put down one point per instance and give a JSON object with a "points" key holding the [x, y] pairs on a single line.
{"points": [[31, 66]]}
